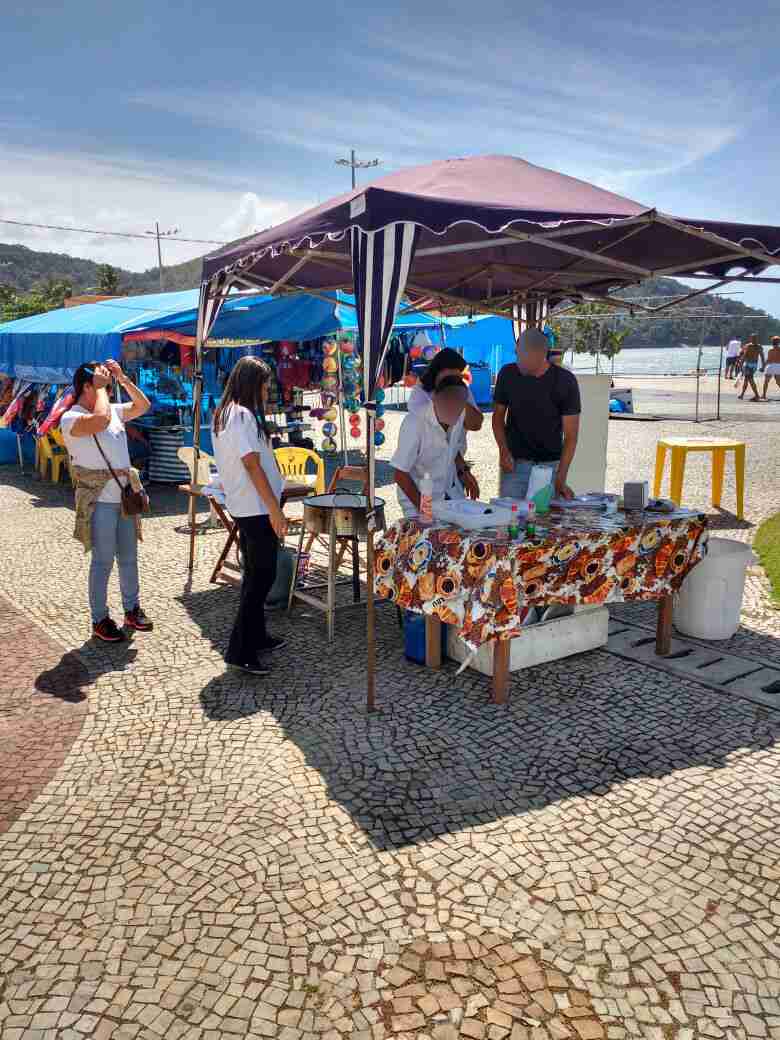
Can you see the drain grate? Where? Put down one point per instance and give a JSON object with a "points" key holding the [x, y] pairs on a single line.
{"points": [[726, 673]]}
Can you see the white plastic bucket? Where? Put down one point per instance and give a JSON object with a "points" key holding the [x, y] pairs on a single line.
{"points": [[710, 599]]}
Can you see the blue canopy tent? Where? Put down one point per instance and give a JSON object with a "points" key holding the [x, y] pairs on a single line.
{"points": [[48, 348]]}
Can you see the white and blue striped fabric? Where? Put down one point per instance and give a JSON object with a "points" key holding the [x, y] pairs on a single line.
{"points": [[380, 266]]}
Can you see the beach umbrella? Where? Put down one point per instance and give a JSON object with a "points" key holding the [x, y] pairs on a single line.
{"points": [[488, 234]]}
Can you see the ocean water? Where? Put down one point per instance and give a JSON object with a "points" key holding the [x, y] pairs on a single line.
{"points": [[649, 361]]}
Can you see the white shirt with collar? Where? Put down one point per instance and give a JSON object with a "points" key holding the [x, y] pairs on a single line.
{"points": [[424, 446]]}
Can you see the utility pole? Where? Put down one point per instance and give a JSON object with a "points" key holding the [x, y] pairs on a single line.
{"points": [[158, 235], [357, 164]]}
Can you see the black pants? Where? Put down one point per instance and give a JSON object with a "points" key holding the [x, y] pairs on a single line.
{"points": [[259, 546]]}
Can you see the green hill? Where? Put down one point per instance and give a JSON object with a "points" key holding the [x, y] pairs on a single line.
{"points": [[26, 269]]}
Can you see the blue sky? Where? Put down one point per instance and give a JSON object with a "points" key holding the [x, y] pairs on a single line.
{"points": [[230, 118]]}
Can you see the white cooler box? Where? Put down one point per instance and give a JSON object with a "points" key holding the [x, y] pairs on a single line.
{"points": [[586, 629]]}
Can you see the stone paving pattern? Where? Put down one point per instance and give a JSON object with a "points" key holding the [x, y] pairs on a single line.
{"points": [[191, 853]]}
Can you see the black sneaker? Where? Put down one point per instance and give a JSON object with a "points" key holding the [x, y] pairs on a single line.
{"points": [[272, 644], [137, 620], [248, 669], [108, 631]]}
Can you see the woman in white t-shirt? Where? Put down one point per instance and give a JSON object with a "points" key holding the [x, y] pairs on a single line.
{"points": [[253, 490], [94, 434]]}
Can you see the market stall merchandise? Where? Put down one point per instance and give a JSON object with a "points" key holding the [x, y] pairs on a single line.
{"points": [[485, 584], [487, 234]]}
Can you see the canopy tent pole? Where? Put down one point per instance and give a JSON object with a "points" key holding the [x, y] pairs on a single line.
{"points": [[209, 305], [381, 261]]}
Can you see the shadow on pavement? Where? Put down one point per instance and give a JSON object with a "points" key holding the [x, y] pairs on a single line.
{"points": [[439, 758]]}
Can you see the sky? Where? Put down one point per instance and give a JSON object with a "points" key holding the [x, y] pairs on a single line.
{"points": [[219, 119]]}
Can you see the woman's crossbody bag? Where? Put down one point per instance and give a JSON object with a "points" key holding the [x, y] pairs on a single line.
{"points": [[133, 502]]}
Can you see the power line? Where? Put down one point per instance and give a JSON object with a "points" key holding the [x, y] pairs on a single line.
{"points": [[115, 234]]}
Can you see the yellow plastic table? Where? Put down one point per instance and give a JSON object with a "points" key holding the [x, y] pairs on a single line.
{"points": [[718, 446]]}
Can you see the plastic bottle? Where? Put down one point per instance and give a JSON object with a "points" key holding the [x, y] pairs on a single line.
{"points": [[513, 530], [530, 526], [426, 499]]}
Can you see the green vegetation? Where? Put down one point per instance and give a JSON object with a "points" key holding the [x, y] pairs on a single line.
{"points": [[25, 269], [767, 547], [30, 274], [108, 280], [46, 297]]}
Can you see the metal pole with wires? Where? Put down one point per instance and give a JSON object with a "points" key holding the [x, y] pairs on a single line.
{"points": [[357, 164], [158, 235]]}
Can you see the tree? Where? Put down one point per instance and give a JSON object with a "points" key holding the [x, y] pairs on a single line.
{"points": [[47, 297], [588, 330], [108, 279]]}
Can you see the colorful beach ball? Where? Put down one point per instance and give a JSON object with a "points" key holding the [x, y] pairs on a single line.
{"points": [[355, 432], [328, 445], [380, 411], [329, 348], [379, 425], [379, 439], [329, 429], [347, 346], [379, 396], [330, 364]]}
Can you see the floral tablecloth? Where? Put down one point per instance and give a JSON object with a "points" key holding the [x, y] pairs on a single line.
{"points": [[483, 583]]}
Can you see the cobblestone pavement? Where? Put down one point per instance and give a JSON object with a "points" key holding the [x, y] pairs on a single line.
{"points": [[189, 853]]}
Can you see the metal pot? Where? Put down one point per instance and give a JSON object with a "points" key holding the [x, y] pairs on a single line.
{"points": [[347, 511]]}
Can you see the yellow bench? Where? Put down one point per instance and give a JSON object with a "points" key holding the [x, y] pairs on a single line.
{"points": [[717, 446]]}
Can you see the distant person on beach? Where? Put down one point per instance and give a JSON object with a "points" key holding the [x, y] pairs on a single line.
{"points": [[772, 366], [732, 353], [754, 353]]}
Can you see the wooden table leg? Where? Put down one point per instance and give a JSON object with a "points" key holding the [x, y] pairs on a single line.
{"points": [[500, 670], [432, 641], [355, 571], [231, 539], [663, 632]]}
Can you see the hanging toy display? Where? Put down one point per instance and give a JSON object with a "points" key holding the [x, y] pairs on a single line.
{"points": [[379, 422]]}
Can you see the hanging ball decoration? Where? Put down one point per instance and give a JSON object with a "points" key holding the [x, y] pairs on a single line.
{"points": [[379, 396], [329, 429], [331, 415], [379, 425], [328, 445], [380, 411], [415, 353], [379, 439], [330, 382], [354, 432], [330, 364], [352, 405], [354, 420], [429, 353], [348, 363], [329, 348], [347, 346]]}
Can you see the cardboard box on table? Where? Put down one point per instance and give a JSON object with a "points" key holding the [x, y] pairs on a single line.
{"points": [[587, 628]]}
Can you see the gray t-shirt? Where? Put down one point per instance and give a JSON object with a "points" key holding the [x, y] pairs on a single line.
{"points": [[535, 410]]}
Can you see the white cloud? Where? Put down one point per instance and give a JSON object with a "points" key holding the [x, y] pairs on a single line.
{"points": [[127, 194]]}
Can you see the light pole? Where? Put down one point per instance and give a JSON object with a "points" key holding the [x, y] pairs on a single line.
{"points": [[158, 235], [357, 164]]}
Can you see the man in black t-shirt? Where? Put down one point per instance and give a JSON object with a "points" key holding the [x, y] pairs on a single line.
{"points": [[536, 417]]}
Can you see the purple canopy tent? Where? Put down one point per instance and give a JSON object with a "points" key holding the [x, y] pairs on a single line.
{"points": [[491, 234]]}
